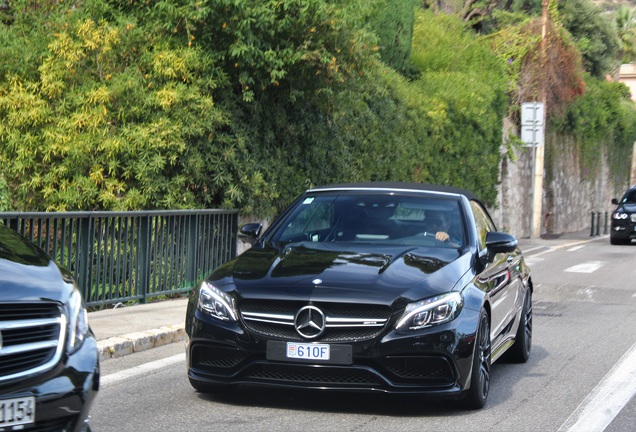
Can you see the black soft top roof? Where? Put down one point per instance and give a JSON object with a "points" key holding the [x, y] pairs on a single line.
{"points": [[400, 186]]}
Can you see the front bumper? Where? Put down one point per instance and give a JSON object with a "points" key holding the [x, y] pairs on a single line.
{"points": [[623, 230], [63, 395], [435, 361]]}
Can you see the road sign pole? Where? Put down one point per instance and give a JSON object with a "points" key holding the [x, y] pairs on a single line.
{"points": [[533, 134]]}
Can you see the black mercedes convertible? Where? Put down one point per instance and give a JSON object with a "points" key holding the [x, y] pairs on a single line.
{"points": [[378, 287]]}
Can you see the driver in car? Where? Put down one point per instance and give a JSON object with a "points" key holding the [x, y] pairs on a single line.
{"points": [[439, 224]]}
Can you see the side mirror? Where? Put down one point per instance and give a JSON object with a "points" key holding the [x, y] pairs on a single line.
{"points": [[498, 242], [614, 201], [249, 233]]}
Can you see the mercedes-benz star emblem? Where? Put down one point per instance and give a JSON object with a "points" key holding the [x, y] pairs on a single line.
{"points": [[310, 322]]}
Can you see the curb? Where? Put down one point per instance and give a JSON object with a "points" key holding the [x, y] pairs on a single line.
{"points": [[121, 346], [574, 242], [565, 243], [580, 242]]}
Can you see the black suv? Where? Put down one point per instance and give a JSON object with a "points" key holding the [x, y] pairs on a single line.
{"points": [[624, 218], [49, 362]]}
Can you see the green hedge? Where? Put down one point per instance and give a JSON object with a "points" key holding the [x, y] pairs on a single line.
{"points": [[124, 105]]}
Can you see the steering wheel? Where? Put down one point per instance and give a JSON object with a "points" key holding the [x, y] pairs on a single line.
{"points": [[431, 236]]}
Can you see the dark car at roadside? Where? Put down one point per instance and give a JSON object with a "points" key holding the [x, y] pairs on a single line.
{"points": [[396, 288], [49, 362], [623, 225]]}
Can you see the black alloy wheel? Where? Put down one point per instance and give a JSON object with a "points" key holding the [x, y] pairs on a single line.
{"points": [[520, 351], [480, 376], [615, 240]]}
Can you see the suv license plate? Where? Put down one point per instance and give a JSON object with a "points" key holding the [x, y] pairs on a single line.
{"points": [[308, 351], [18, 411]]}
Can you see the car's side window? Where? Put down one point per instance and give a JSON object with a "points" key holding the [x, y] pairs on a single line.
{"points": [[482, 222]]}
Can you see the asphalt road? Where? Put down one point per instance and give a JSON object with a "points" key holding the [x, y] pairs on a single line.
{"points": [[580, 376]]}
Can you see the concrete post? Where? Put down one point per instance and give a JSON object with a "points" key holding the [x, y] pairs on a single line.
{"points": [[537, 207]]}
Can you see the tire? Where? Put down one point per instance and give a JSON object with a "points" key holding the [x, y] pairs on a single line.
{"points": [[619, 241], [477, 394], [203, 387], [520, 351]]}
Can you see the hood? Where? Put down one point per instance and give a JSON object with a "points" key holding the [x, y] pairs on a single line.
{"points": [[27, 273], [628, 207], [330, 272]]}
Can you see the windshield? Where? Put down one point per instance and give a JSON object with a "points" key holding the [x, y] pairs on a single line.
{"points": [[372, 218], [629, 197]]}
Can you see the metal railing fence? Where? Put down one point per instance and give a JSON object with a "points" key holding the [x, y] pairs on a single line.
{"points": [[126, 256]]}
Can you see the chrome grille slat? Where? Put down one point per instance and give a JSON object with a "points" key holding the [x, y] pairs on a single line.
{"points": [[28, 347], [343, 322], [33, 338], [26, 323], [355, 322], [269, 318]]}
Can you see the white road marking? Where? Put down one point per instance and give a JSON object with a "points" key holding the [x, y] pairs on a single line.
{"points": [[586, 267], [607, 399], [113, 378], [533, 260], [552, 249], [575, 248]]}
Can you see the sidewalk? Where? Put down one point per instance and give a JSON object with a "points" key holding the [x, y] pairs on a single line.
{"points": [[129, 329]]}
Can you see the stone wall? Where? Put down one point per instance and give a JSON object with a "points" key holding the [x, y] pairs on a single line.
{"points": [[569, 195], [513, 213]]}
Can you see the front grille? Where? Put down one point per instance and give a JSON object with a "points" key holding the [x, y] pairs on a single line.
{"points": [[298, 374], [216, 358], [32, 338], [415, 371], [420, 369], [345, 323]]}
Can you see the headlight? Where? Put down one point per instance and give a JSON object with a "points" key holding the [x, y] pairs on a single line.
{"points": [[77, 322], [430, 312], [216, 303], [620, 215]]}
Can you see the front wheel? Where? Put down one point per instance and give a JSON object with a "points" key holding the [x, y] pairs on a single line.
{"points": [[480, 374], [619, 241]]}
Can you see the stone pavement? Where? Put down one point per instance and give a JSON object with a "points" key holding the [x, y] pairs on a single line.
{"points": [[128, 329]]}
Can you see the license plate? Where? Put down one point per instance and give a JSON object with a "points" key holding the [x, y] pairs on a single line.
{"points": [[300, 352], [308, 351], [18, 411]]}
